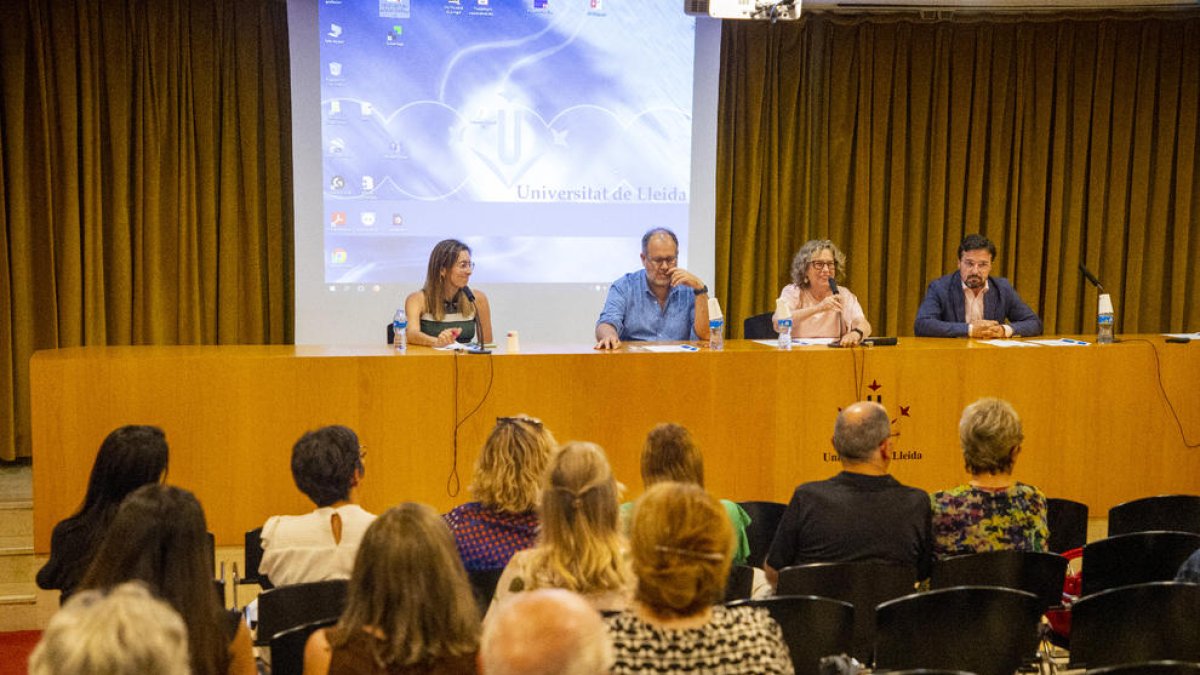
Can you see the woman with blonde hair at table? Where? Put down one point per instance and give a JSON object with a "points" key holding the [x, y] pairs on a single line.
{"points": [[507, 485], [444, 310], [682, 544], [580, 547], [817, 310]]}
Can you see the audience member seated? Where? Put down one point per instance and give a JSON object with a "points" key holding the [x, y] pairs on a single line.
{"points": [[682, 545], [327, 466], [129, 458], [1189, 571], [860, 515], [409, 608], [126, 631], [507, 486], [580, 547], [159, 537], [670, 454], [992, 512], [549, 631]]}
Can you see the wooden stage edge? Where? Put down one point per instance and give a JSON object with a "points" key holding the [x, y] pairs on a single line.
{"points": [[1097, 426]]}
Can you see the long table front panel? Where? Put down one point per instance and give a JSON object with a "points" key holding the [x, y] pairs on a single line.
{"points": [[1098, 428]]}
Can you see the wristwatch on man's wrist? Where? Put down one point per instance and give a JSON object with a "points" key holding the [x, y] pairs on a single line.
{"points": [[700, 291]]}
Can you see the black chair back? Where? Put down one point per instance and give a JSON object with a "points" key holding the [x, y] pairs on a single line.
{"points": [[1135, 559], [483, 585], [1144, 622], [740, 584], [1068, 522], [759, 327], [1177, 513], [980, 629], [812, 627], [1038, 573], [294, 605], [287, 648], [764, 520], [252, 559], [863, 585]]}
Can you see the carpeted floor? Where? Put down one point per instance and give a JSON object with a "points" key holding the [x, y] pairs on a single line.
{"points": [[15, 648]]}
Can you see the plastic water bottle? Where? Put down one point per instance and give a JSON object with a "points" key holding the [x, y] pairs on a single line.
{"points": [[716, 334], [785, 333], [1104, 320], [400, 330]]}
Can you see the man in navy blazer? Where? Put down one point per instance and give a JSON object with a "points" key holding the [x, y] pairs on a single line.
{"points": [[969, 304]]}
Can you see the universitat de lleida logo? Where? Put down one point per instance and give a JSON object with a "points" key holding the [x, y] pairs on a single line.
{"points": [[900, 454]]}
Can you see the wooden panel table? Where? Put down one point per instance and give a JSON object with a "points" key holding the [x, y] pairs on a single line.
{"points": [[1097, 427]]}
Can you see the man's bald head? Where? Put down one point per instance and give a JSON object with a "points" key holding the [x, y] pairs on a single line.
{"points": [[859, 430], [545, 632]]}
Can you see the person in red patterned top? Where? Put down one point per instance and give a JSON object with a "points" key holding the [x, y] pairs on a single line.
{"points": [[506, 485]]}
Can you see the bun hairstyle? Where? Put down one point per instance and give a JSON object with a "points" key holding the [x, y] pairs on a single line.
{"points": [[682, 544]]}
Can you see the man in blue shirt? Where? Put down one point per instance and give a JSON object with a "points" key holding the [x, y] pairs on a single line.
{"points": [[660, 303]]}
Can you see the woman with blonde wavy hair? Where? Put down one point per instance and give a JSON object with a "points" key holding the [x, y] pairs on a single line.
{"points": [[682, 545], [409, 608], [507, 486], [580, 547]]}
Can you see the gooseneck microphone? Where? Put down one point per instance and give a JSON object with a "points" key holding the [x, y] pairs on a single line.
{"points": [[478, 324], [1091, 277]]}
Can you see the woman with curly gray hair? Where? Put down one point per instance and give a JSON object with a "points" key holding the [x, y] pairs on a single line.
{"points": [[819, 308]]}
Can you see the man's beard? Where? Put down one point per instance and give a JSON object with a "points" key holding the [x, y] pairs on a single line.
{"points": [[974, 282]]}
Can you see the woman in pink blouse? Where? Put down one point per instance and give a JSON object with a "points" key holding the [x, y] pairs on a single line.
{"points": [[817, 310]]}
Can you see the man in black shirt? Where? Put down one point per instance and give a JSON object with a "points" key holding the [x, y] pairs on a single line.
{"points": [[860, 515]]}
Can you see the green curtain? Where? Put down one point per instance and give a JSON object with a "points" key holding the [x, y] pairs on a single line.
{"points": [[1065, 139], [145, 161]]}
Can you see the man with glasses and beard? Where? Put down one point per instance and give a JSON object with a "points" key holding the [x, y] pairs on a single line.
{"points": [[967, 303], [659, 303]]}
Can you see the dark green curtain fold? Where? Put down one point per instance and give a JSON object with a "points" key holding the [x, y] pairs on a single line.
{"points": [[1065, 139], [145, 160]]}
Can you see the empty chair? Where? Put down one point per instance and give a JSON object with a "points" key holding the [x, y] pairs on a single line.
{"points": [[289, 606], [1178, 513], [812, 627], [764, 520], [1135, 558], [1149, 668], [287, 647], [1143, 622], [1038, 573], [980, 629], [1068, 522], [251, 559], [740, 584], [863, 585], [758, 327]]}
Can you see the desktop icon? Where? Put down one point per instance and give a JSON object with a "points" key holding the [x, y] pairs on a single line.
{"points": [[335, 108], [335, 69], [397, 220], [368, 218], [368, 183], [335, 31], [366, 108], [337, 183], [337, 219], [339, 256], [337, 146]]}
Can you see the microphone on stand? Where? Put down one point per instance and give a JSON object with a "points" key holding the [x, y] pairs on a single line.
{"points": [[478, 348], [1091, 277]]}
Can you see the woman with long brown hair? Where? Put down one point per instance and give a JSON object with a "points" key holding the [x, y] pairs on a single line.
{"points": [[409, 609], [445, 310], [159, 537]]}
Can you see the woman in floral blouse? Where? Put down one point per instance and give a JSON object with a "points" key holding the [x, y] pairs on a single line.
{"points": [[992, 512]]}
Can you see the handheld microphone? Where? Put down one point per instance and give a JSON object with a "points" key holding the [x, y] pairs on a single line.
{"points": [[833, 285], [1091, 277]]}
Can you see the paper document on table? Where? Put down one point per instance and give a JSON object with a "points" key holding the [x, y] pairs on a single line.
{"points": [[1009, 343], [813, 341], [1061, 342], [670, 348], [1187, 336], [453, 346]]}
